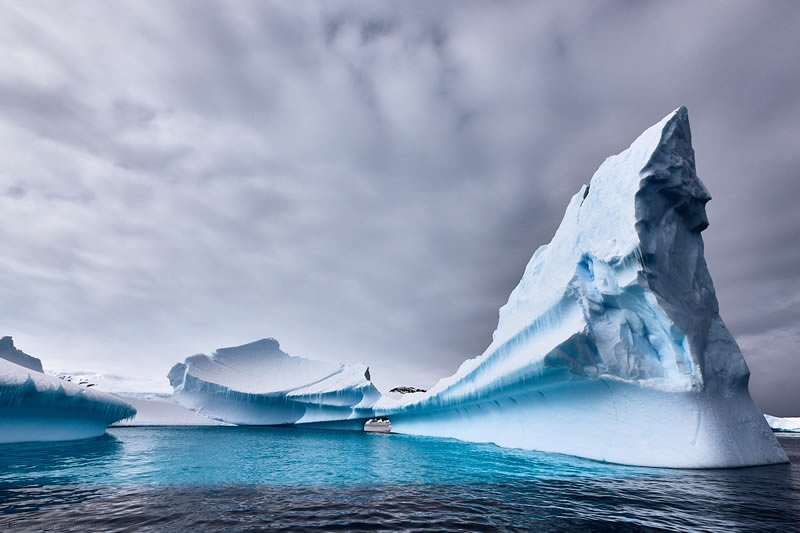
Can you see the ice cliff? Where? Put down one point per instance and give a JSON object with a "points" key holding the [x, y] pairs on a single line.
{"points": [[259, 384], [612, 347], [38, 407]]}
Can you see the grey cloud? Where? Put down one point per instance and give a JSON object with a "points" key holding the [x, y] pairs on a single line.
{"points": [[366, 181]]}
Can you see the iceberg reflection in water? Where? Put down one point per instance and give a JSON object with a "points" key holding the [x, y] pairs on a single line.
{"points": [[228, 477]]}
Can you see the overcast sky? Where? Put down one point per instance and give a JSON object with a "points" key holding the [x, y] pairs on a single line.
{"points": [[367, 181]]}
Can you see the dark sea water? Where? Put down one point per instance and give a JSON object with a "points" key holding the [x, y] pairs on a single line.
{"points": [[237, 479]]}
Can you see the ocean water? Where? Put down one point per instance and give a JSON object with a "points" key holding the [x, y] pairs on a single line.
{"points": [[238, 479]]}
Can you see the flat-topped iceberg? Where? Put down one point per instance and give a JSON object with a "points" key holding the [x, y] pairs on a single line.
{"points": [[612, 347], [259, 384], [38, 407], [788, 425]]}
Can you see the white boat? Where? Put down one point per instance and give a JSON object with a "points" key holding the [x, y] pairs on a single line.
{"points": [[378, 425]]}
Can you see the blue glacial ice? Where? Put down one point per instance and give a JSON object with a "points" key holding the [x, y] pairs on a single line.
{"points": [[610, 348], [38, 407]]}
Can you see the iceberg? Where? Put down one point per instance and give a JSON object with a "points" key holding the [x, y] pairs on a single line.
{"points": [[38, 407], [612, 347], [786, 425], [260, 384]]}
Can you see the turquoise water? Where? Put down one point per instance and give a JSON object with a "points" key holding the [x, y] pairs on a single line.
{"points": [[233, 478]]}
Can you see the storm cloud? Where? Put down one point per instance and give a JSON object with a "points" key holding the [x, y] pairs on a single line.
{"points": [[366, 181]]}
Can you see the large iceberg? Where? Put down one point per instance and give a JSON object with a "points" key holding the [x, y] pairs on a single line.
{"points": [[260, 384], [38, 407], [611, 347]]}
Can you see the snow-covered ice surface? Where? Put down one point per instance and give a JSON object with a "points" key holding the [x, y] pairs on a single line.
{"points": [[114, 382], [789, 425], [38, 407], [259, 384], [611, 347], [153, 409]]}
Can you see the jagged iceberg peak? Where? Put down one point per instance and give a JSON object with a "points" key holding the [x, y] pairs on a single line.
{"points": [[623, 280], [9, 352], [258, 383], [600, 223]]}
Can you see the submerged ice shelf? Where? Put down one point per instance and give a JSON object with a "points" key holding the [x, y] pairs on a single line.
{"points": [[611, 347], [38, 407]]}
